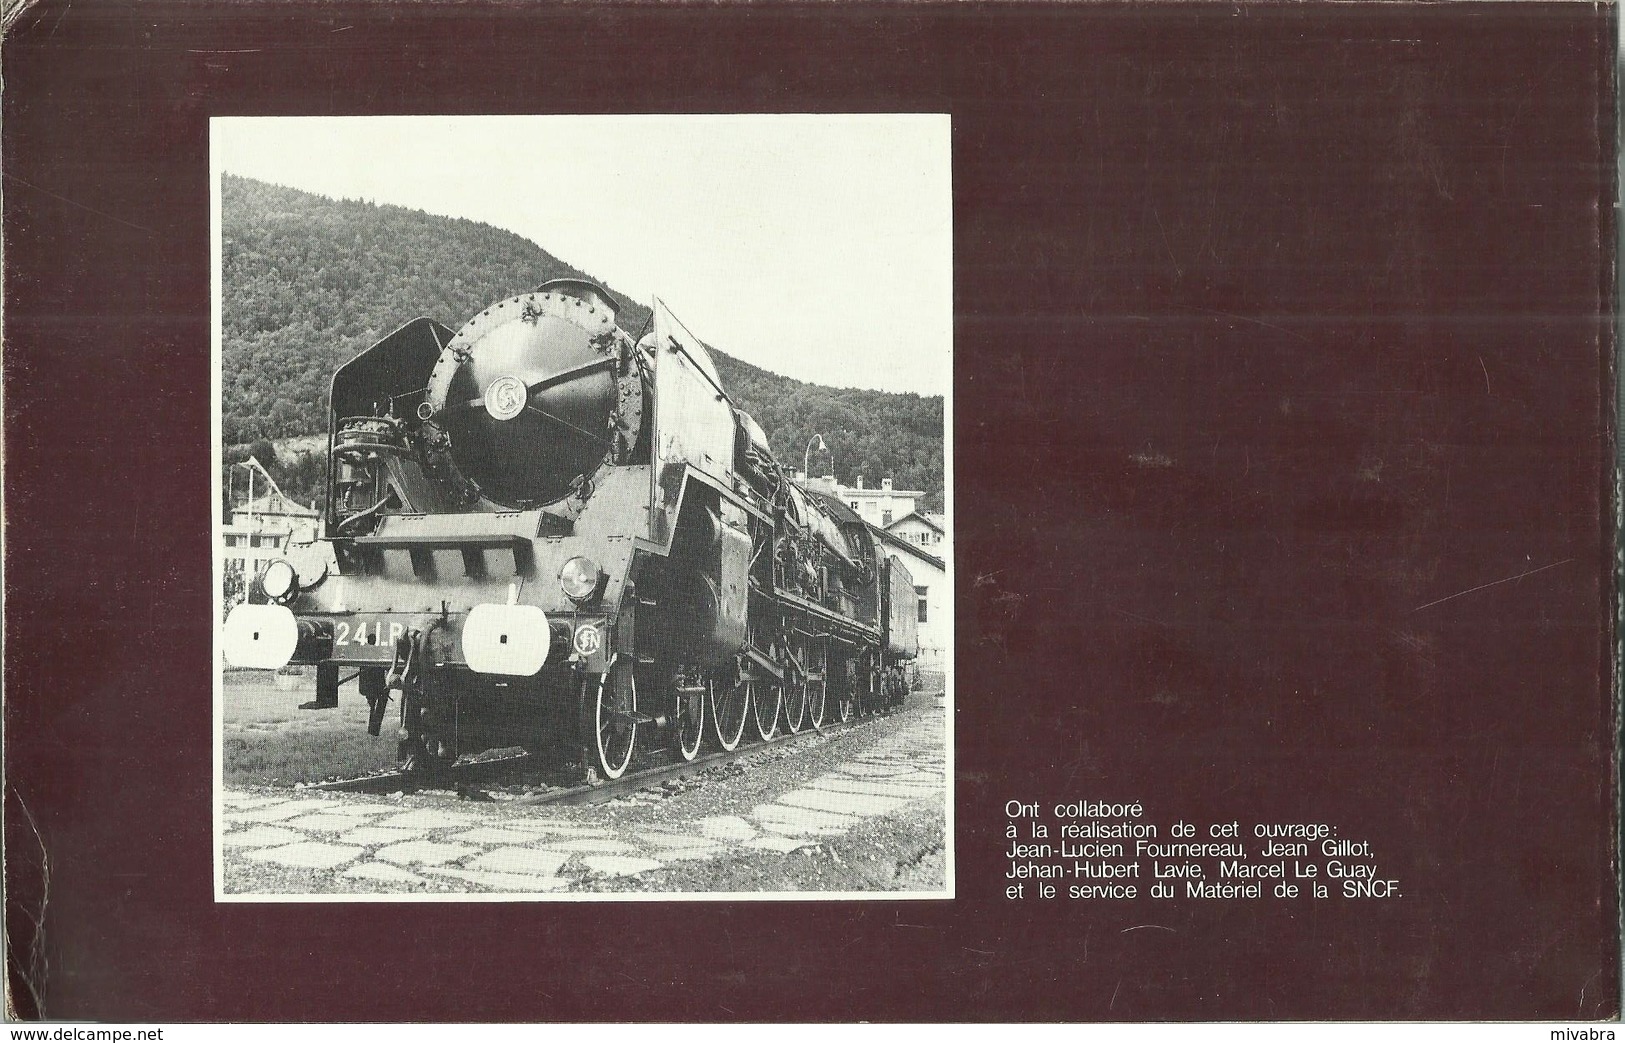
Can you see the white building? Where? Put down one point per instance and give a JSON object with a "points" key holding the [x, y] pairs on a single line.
{"points": [[927, 535], [879, 507], [261, 529]]}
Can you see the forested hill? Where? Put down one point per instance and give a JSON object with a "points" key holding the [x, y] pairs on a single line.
{"points": [[310, 281]]}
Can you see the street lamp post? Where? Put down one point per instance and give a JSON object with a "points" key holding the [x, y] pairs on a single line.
{"points": [[807, 455], [250, 471]]}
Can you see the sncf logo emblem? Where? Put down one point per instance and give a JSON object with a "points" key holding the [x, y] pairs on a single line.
{"points": [[589, 638], [505, 398]]}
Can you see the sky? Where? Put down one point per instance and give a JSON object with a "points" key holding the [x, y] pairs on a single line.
{"points": [[819, 247]]}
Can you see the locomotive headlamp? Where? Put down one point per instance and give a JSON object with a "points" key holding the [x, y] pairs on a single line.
{"points": [[581, 579], [279, 580]]}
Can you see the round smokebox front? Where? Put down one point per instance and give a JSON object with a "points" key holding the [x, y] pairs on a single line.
{"points": [[527, 392]]}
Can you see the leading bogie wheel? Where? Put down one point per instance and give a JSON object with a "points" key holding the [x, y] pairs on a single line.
{"points": [[607, 730], [424, 758], [730, 706], [764, 705], [424, 750]]}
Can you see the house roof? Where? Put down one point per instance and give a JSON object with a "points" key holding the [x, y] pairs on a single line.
{"points": [[922, 517], [912, 548]]}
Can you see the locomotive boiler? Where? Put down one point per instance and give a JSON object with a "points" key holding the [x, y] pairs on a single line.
{"points": [[549, 535]]}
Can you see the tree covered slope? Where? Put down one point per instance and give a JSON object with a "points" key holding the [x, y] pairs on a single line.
{"points": [[309, 282]]}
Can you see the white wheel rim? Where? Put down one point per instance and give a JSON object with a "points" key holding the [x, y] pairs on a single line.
{"points": [[772, 731], [818, 695], [794, 726], [684, 750], [612, 771], [726, 742]]}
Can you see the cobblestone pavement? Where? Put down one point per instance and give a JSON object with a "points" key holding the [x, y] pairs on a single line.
{"points": [[534, 849]]}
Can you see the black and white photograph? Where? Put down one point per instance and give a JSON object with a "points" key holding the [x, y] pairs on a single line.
{"points": [[584, 499]]}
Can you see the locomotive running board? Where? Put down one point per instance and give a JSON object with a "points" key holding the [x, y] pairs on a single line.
{"points": [[815, 609]]}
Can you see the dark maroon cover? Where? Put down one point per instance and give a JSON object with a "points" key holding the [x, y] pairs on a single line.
{"points": [[1282, 416]]}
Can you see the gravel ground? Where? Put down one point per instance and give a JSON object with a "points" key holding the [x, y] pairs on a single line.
{"points": [[899, 852], [900, 849]]}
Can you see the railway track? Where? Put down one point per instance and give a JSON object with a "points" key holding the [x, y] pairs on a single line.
{"points": [[466, 779]]}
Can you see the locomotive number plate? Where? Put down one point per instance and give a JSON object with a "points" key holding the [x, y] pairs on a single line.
{"points": [[366, 632]]}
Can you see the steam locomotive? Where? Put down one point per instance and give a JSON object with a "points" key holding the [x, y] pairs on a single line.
{"points": [[542, 533]]}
